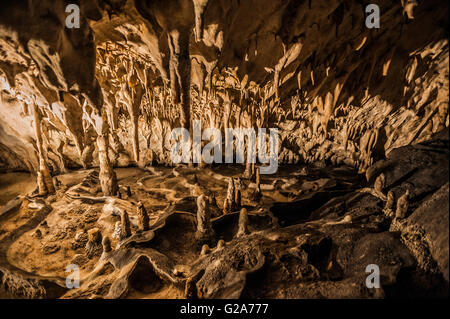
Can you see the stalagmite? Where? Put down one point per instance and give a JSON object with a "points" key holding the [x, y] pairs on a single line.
{"points": [[132, 98], [380, 182], [248, 173], [125, 224], [237, 192], [205, 250], [144, 220], [107, 176], [256, 195], [243, 223], [106, 243], [108, 179], [190, 289], [220, 244], [402, 205], [94, 244], [117, 230], [44, 179], [390, 205], [306, 101], [229, 204], [204, 228]]}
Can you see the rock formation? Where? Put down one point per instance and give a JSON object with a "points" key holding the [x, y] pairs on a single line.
{"points": [[402, 205], [144, 220], [204, 229], [87, 118], [243, 223], [94, 244], [125, 231]]}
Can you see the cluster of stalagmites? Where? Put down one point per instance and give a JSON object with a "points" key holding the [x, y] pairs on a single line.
{"points": [[233, 200], [94, 243], [392, 209], [205, 232]]}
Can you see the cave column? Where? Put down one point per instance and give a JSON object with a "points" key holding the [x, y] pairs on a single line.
{"points": [[44, 179], [180, 74], [134, 114], [107, 176]]}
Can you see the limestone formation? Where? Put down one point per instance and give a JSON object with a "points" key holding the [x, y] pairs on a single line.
{"points": [[144, 219], [226, 207], [256, 195], [190, 290], [238, 192], [106, 243], [304, 87], [134, 91], [390, 205], [258, 179], [243, 223], [380, 183], [125, 226], [117, 230], [129, 191], [402, 205], [204, 228], [94, 244], [230, 203], [44, 179], [220, 244], [205, 250]]}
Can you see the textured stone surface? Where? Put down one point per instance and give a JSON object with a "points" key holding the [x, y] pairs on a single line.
{"points": [[363, 115], [336, 90]]}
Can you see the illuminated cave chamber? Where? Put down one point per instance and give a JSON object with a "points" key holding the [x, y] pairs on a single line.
{"points": [[362, 116]]}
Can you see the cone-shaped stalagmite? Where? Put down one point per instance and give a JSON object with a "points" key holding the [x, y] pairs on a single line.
{"points": [[258, 179], [107, 176], [126, 228], [390, 204], [243, 223], [106, 243], [256, 194], [238, 192], [44, 179], [205, 250], [380, 183], [94, 244], [204, 229], [229, 203], [144, 220]]}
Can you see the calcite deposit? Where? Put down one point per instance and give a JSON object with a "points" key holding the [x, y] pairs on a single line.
{"points": [[88, 178]]}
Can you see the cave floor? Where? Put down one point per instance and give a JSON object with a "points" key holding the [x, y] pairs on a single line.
{"points": [[312, 234]]}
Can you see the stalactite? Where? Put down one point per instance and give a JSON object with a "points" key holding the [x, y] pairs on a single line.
{"points": [[199, 8], [180, 73], [132, 98]]}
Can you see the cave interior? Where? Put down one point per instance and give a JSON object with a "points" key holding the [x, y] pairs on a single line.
{"points": [[354, 117]]}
